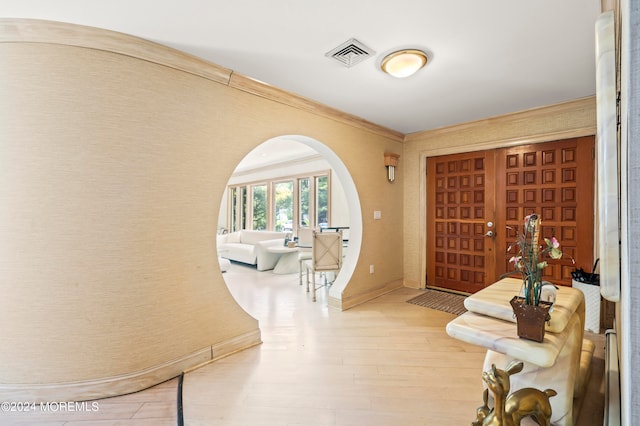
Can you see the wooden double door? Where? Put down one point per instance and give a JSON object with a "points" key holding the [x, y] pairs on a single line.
{"points": [[476, 204]]}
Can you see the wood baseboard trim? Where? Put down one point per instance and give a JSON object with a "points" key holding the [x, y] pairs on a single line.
{"points": [[350, 302], [126, 383], [413, 284]]}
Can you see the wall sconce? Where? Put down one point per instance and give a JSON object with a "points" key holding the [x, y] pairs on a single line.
{"points": [[391, 162]]}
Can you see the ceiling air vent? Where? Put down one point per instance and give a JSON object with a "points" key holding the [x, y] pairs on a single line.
{"points": [[350, 53]]}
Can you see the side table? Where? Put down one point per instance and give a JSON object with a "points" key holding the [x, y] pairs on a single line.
{"points": [[554, 363], [288, 261]]}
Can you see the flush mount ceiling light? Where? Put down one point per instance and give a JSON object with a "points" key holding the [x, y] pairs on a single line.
{"points": [[404, 63]]}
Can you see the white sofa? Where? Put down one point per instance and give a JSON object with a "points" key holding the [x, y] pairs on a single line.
{"points": [[250, 247]]}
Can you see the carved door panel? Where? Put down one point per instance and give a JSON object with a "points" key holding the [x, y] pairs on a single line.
{"points": [[554, 180], [460, 199], [465, 192]]}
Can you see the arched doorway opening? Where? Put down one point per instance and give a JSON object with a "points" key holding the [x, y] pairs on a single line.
{"points": [[287, 155]]}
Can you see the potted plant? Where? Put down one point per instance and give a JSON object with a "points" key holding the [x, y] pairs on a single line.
{"points": [[531, 312]]}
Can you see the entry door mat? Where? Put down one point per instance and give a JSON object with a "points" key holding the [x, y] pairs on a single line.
{"points": [[440, 300]]}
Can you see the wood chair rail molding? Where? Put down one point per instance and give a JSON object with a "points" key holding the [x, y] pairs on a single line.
{"points": [[13, 30]]}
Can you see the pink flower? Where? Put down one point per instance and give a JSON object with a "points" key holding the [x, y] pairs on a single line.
{"points": [[553, 247]]}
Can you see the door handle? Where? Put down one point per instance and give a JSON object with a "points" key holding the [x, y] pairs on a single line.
{"points": [[490, 234]]}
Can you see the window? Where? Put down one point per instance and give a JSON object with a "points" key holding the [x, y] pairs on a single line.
{"points": [[281, 205], [304, 209], [233, 206], [322, 201], [243, 207], [238, 208], [259, 207]]}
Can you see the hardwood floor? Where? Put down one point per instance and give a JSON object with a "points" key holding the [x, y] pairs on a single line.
{"points": [[156, 406], [382, 363], [386, 362]]}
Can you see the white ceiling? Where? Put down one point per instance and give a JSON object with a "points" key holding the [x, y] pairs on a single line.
{"points": [[275, 152], [487, 57]]}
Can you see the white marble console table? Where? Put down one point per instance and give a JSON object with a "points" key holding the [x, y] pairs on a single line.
{"points": [[552, 364]]}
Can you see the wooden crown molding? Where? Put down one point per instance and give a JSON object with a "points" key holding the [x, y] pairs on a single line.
{"points": [[14, 30], [587, 103], [40, 31], [249, 85]]}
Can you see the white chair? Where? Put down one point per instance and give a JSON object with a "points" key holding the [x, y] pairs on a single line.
{"points": [[305, 242], [326, 256]]}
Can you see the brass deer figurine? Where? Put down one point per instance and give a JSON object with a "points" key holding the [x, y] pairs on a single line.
{"points": [[510, 409], [482, 411]]}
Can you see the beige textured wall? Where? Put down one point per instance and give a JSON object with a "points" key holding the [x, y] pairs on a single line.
{"points": [[112, 169], [571, 119]]}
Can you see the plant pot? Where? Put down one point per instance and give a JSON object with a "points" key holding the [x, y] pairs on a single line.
{"points": [[530, 319]]}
